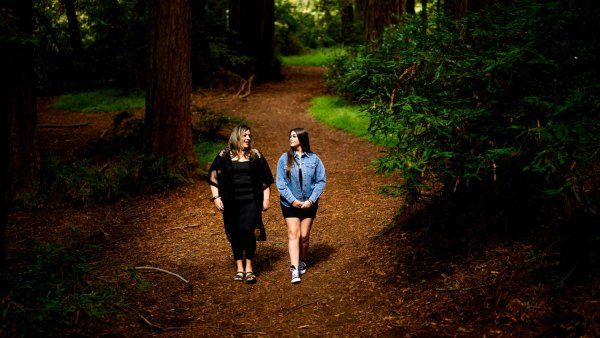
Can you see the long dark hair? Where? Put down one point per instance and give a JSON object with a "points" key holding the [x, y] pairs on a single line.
{"points": [[304, 143]]}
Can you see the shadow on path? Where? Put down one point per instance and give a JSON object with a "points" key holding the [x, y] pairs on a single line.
{"points": [[319, 253]]}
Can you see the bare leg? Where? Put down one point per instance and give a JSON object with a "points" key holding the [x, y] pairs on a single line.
{"points": [[240, 265], [293, 225], [249, 266], [305, 226]]}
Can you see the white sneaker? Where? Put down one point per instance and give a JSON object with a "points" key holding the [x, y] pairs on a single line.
{"points": [[295, 275], [302, 267]]}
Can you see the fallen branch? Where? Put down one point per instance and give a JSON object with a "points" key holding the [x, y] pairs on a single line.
{"points": [[163, 270], [74, 125], [249, 88], [242, 87], [468, 289], [299, 306], [149, 323], [183, 227]]}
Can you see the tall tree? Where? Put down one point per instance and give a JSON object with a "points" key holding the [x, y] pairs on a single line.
{"points": [[378, 14], [347, 18], [20, 175], [73, 22], [410, 6], [458, 8], [253, 23], [167, 124]]}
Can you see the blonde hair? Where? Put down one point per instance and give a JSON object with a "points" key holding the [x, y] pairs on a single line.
{"points": [[236, 138]]}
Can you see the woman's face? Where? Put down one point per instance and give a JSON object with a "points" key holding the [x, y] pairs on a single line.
{"points": [[294, 142], [246, 138]]}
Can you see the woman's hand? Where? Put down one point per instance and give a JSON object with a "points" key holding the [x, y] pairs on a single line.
{"points": [[219, 204], [297, 204], [306, 204], [266, 204]]}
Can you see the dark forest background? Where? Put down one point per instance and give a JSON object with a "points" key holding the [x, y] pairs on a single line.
{"points": [[490, 107]]}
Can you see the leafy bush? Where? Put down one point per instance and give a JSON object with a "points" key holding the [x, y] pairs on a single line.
{"points": [[53, 291], [500, 104]]}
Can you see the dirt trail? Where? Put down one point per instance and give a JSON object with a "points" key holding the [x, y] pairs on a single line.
{"points": [[341, 294]]}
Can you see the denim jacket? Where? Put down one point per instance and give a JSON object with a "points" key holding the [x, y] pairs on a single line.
{"points": [[313, 179]]}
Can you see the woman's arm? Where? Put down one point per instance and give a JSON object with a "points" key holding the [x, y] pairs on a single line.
{"points": [[320, 181], [281, 183], [214, 183], [266, 198]]}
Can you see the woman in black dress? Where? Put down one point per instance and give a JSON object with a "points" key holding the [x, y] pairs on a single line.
{"points": [[240, 181]]}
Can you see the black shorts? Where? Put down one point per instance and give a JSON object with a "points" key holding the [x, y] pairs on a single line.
{"points": [[300, 213]]}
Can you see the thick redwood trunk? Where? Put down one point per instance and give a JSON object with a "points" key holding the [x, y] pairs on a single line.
{"points": [[167, 124], [378, 14], [20, 156], [252, 23]]}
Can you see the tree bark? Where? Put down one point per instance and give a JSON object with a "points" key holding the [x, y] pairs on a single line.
{"points": [[410, 7], [74, 31], [167, 123], [378, 14], [20, 174], [252, 23], [347, 18], [424, 14]]}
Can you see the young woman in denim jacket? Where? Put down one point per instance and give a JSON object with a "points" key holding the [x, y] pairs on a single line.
{"points": [[300, 181], [240, 181]]}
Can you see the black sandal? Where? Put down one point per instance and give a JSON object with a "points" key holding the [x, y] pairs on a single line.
{"points": [[239, 276], [250, 278]]}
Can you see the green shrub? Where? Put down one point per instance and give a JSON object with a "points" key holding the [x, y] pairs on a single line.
{"points": [[104, 100], [53, 291], [504, 103]]}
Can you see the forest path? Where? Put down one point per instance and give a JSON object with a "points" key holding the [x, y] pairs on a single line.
{"points": [[338, 294], [344, 291]]}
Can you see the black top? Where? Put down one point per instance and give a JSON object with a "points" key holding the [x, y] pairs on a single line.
{"points": [[242, 181], [260, 175]]}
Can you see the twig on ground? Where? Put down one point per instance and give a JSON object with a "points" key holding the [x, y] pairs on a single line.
{"points": [[242, 87], [253, 332], [74, 125], [299, 306], [183, 227], [468, 289], [249, 87], [163, 270], [149, 323]]}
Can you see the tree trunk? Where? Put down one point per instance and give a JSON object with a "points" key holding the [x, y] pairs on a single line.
{"points": [[252, 23], [458, 8], [20, 156], [74, 31], [167, 123], [424, 14], [378, 14], [410, 6], [347, 18]]}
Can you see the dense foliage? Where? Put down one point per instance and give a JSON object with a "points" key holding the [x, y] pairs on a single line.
{"points": [[301, 26], [503, 103], [113, 44]]}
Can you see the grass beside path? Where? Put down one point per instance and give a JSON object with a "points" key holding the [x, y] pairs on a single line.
{"points": [[316, 57], [340, 114], [103, 100]]}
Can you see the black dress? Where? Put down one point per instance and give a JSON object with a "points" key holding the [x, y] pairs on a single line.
{"points": [[241, 186]]}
